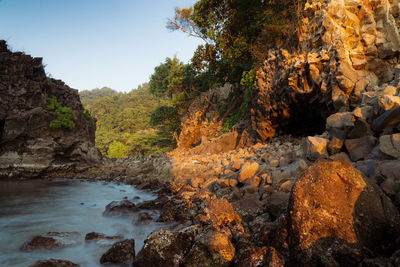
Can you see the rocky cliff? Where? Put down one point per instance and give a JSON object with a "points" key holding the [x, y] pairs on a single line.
{"points": [[28, 145], [346, 52], [346, 49]]}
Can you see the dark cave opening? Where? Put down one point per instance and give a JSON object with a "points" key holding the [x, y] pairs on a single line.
{"points": [[306, 120]]}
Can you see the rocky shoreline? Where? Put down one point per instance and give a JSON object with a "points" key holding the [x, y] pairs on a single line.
{"points": [[266, 205]]}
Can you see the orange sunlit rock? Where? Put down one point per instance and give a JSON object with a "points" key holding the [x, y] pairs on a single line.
{"points": [[323, 202]]}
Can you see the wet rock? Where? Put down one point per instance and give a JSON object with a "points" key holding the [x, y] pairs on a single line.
{"points": [[121, 252], [95, 236], [390, 145], [54, 263], [248, 170], [332, 202], [388, 118], [213, 248], [144, 217], [41, 242], [315, 147], [120, 208], [360, 148], [155, 204], [164, 248]]}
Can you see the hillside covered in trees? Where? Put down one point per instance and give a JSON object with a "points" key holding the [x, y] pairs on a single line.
{"points": [[123, 121]]}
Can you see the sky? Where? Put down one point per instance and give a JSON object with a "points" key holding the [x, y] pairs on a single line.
{"points": [[94, 43]]}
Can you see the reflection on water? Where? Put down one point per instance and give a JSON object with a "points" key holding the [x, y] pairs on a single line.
{"points": [[29, 208]]}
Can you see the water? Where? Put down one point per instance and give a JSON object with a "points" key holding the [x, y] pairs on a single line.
{"points": [[29, 208]]}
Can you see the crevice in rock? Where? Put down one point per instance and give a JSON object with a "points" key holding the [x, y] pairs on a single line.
{"points": [[2, 123]]}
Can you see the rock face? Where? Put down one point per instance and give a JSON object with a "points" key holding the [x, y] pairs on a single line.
{"points": [[333, 201], [346, 51], [201, 123], [28, 145]]}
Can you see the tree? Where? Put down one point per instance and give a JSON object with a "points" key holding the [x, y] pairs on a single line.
{"points": [[235, 32], [116, 150]]}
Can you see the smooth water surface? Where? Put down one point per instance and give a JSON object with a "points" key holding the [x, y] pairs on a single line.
{"points": [[29, 208]]}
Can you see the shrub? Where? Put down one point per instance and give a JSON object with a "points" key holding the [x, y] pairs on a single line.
{"points": [[247, 81], [65, 116], [87, 115]]}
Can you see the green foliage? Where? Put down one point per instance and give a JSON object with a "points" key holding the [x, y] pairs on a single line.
{"points": [[65, 116], [247, 81], [181, 84], [125, 118], [87, 115], [116, 150], [87, 95], [237, 33]]}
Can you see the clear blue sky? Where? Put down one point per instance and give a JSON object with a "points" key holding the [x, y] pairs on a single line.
{"points": [[96, 43]]}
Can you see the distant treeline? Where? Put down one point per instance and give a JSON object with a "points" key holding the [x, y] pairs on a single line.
{"points": [[123, 121]]}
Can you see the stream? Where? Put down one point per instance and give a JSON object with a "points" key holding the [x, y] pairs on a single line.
{"points": [[29, 208]]}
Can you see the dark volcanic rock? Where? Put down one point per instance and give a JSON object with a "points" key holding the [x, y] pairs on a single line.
{"points": [[41, 242], [54, 263], [121, 252], [333, 209], [165, 248], [95, 236], [118, 208], [28, 145], [212, 248]]}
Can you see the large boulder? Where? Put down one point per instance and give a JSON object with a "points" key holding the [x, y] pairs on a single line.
{"points": [[41, 242], [121, 252], [165, 248], [333, 203]]}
